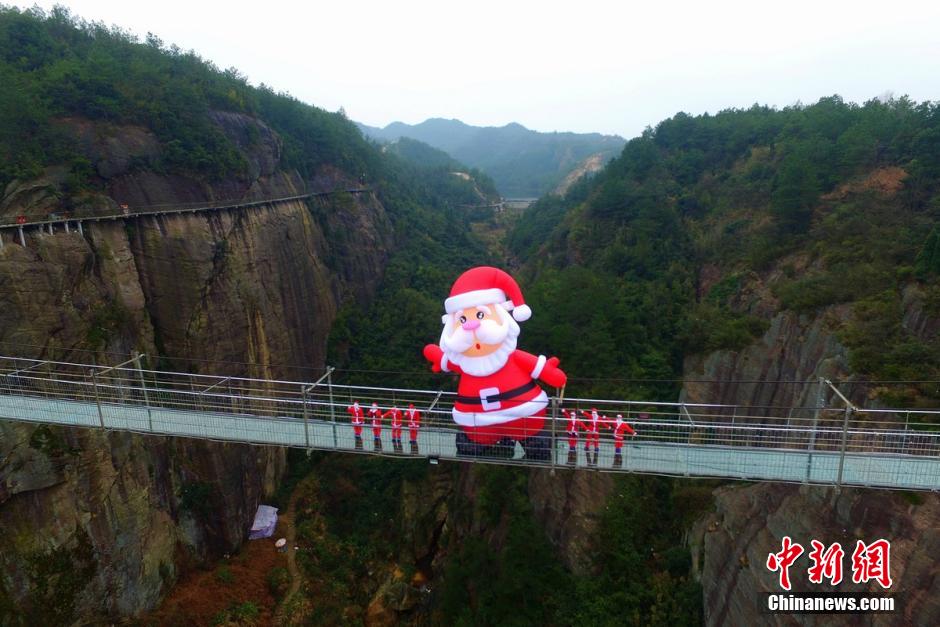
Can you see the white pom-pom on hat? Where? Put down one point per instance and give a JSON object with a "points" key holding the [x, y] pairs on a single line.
{"points": [[522, 313]]}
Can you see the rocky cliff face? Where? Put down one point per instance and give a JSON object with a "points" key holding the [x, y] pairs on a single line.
{"points": [[100, 524], [568, 506], [794, 348], [731, 544], [442, 512]]}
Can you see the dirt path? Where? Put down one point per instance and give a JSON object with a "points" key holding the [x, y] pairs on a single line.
{"points": [[290, 532]]}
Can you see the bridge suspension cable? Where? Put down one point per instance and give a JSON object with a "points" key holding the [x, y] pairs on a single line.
{"points": [[13, 347]]}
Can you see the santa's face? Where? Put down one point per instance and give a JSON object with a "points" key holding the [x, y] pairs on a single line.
{"points": [[477, 331], [479, 339]]}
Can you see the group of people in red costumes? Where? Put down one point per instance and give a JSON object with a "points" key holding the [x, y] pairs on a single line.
{"points": [[376, 416], [591, 425], [588, 423]]}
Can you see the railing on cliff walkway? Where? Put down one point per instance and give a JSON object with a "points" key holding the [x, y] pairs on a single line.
{"points": [[69, 222], [841, 445]]}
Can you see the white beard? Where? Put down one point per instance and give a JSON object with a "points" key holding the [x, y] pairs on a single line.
{"points": [[487, 364]]}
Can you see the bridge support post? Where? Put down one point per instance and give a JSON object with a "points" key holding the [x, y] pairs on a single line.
{"points": [[902, 445], [143, 389], [306, 421], [94, 384], [67, 231], [192, 388], [329, 387], [22, 237], [16, 380], [845, 439], [81, 231], [554, 448], [820, 404]]}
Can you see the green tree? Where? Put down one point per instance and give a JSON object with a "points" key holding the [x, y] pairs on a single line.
{"points": [[796, 190]]}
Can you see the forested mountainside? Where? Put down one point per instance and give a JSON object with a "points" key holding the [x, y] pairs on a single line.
{"points": [[89, 113], [707, 227], [740, 253], [522, 163], [467, 187]]}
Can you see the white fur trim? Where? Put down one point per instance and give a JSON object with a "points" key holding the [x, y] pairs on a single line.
{"points": [[476, 297], [539, 365], [444, 362], [500, 416], [522, 313]]}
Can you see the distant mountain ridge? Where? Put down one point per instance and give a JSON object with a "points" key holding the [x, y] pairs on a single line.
{"points": [[522, 162]]}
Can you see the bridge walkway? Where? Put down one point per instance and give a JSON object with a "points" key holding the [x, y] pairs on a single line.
{"points": [[827, 445]]}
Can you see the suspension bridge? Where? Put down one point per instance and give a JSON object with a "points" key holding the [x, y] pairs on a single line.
{"points": [[68, 223], [831, 444]]}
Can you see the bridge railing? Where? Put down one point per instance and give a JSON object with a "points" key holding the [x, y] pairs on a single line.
{"points": [[881, 432], [163, 209]]}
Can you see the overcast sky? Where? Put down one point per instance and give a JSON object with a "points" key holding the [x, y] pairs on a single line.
{"points": [[582, 65]]}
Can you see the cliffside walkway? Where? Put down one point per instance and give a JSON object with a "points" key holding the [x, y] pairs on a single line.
{"points": [[840, 445], [69, 223]]}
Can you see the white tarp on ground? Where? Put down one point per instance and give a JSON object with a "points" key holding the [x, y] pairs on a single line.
{"points": [[265, 521]]}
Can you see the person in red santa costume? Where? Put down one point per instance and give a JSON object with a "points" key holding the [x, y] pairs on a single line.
{"points": [[356, 418], [395, 414], [375, 415], [498, 400], [572, 429], [620, 429], [414, 423], [592, 428]]}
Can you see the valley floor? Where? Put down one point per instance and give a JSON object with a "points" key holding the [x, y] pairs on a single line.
{"points": [[233, 590]]}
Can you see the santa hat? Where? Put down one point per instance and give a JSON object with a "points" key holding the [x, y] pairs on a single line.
{"points": [[485, 285]]}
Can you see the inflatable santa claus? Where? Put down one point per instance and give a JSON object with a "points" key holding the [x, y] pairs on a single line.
{"points": [[498, 400]]}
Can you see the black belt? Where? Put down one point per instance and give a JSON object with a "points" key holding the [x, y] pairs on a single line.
{"points": [[502, 396]]}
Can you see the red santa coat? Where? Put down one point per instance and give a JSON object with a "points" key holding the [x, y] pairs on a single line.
{"points": [[572, 428], [621, 430], [507, 403], [375, 414], [395, 415], [573, 422], [356, 412], [414, 423], [593, 423]]}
